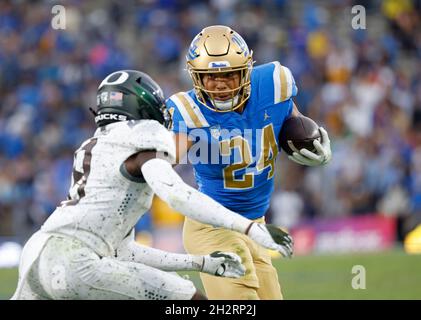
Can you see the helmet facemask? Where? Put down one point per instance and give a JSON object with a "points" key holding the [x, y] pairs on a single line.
{"points": [[238, 95]]}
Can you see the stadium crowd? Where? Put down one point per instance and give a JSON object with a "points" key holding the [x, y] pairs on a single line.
{"points": [[363, 86]]}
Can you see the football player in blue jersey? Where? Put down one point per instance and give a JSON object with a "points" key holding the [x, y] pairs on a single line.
{"points": [[238, 110]]}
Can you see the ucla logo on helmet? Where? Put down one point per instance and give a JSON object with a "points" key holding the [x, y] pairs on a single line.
{"points": [[241, 43], [192, 54]]}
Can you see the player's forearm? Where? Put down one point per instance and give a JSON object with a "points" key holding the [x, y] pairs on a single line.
{"points": [[166, 183], [166, 261]]}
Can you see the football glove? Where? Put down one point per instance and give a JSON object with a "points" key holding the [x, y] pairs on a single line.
{"points": [[307, 158], [271, 237], [223, 264]]}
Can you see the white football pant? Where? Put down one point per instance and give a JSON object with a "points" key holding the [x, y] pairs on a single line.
{"points": [[60, 267]]}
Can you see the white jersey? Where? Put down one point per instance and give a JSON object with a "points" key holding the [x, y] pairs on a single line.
{"points": [[104, 201]]}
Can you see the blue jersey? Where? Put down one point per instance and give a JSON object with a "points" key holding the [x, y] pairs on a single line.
{"points": [[234, 154]]}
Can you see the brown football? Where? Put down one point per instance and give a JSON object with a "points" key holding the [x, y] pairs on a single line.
{"points": [[301, 131]]}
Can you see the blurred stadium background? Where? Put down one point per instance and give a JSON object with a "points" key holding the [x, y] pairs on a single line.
{"points": [[364, 86]]}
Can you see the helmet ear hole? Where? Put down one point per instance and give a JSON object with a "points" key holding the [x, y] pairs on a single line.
{"points": [[139, 80]]}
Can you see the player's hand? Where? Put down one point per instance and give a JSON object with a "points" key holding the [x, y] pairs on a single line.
{"points": [[307, 158], [272, 237], [223, 264]]}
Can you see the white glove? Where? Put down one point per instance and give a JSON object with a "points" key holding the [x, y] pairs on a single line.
{"points": [[307, 158], [271, 237], [223, 264]]}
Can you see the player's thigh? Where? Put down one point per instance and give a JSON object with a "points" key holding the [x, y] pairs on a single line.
{"points": [[269, 287], [199, 238], [244, 288], [62, 266], [204, 239], [196, 236], [29, 291], [70, 270]]}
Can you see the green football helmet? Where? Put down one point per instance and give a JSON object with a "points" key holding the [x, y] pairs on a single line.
{"points": [[130, 95]]}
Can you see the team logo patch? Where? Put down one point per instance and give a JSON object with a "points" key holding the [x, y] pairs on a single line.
{"points": [[112, 99], [215, 131], [110, 116], [104, 97], [219, 64], [116, 99]]}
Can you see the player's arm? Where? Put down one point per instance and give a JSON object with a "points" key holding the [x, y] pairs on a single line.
{"points": [[303, 156], [217, 263], [168, 185], [306, 157]]}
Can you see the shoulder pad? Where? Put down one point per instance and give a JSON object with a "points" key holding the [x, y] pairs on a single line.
{"points": [[189, 110], [284, 83]]}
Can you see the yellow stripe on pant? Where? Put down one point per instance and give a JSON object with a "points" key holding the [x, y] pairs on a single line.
{"points": [[261, 279]]}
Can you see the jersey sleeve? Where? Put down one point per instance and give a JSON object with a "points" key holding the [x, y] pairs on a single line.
{"points": [[186, 114], [178, 124], [151, 135], [284, 83]]}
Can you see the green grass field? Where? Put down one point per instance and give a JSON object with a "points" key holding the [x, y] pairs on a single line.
{"points": [[389, 275]]}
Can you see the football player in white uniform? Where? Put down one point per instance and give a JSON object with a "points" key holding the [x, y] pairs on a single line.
{"points": [[86, 248]]}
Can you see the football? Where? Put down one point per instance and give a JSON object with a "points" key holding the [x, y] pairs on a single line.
{"points": [[301, 131]]}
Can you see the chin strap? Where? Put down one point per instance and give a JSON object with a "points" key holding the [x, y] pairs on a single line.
{"points": [[93, 111], [226, 105]]}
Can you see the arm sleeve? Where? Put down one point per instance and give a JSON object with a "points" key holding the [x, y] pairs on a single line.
{"points": [[168, 185], [129, 250]]}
